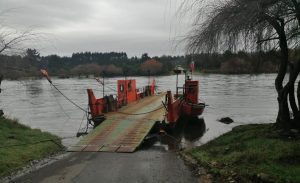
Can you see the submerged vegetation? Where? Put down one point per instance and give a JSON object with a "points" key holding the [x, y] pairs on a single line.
{"points": [[21, 144], [251, 153]]}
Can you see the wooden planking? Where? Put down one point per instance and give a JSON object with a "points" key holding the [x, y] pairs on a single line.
{"points": [[122, 132]]}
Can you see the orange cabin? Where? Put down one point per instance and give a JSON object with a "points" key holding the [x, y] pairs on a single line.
{"points": [[126, 92], [191, 89], [187, 105]]}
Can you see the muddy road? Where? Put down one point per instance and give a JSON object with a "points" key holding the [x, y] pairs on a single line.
{"points": [[148, 165]]}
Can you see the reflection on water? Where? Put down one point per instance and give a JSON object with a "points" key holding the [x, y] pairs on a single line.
{"points": [[184, 134], [33, 87], [194, 129], [244, 98]]}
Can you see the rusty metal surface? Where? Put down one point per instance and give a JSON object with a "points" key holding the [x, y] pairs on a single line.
{"points": [[123, 131]]}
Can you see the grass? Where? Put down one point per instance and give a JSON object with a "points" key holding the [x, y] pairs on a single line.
{"points": [[251, 153], [20, 144]]}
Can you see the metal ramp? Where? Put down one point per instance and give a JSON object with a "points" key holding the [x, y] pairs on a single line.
{"points": [[123, 131]]}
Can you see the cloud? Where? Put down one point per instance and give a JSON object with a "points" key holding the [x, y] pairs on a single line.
{"points": [[134, 26]]}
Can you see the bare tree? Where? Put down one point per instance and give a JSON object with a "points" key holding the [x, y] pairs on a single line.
{"points": [[11, 41], [256, 24]]}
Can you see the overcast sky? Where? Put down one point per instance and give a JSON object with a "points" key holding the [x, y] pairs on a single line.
{"points": [[133, 26]]}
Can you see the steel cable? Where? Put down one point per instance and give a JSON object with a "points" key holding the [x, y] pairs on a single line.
{"points": [[67, 98]]}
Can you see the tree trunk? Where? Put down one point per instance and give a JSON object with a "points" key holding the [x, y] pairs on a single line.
{"points": [[292, 98], [283, 118], [294, 72], [298, 93], [297, 114]]}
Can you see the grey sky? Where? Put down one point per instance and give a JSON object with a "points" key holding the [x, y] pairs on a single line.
{"points": [[133, 26]]}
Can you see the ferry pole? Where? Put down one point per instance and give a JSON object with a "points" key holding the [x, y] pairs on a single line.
{"points": [[103, 86], [177, 70], [177, 85], [148, 77], [103, 83]]}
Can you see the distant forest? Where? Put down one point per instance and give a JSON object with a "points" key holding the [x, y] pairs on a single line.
{"points": [[119, 64]]}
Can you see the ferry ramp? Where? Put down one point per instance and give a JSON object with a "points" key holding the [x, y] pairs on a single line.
{"points": [[124, 130]]}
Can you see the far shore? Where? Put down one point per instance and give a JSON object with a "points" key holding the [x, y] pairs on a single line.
{"points": [[117, 76]]}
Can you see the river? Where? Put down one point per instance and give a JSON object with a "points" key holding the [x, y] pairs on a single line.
{"points": [[244, 98]]}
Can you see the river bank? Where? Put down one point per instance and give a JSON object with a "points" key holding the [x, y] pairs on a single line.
{"points": [[249, 153], [21, 145]]}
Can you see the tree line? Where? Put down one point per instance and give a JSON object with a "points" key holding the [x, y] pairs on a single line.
{"points": [[119, 64]]}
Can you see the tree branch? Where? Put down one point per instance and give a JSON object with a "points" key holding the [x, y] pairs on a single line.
{"points": [[268, 39], [11, 40]]}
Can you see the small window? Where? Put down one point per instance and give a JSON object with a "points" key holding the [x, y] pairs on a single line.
{"points": [[129, 86], [121, 87]]}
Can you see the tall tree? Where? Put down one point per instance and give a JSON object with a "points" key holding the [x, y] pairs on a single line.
{"points": [[271, 24]]}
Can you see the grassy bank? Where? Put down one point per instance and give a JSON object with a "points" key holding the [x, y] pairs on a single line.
{"points": [[20, 144], [251, 153]]}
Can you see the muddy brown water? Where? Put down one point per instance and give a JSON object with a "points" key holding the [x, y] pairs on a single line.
{"points": [[244, 98]]}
